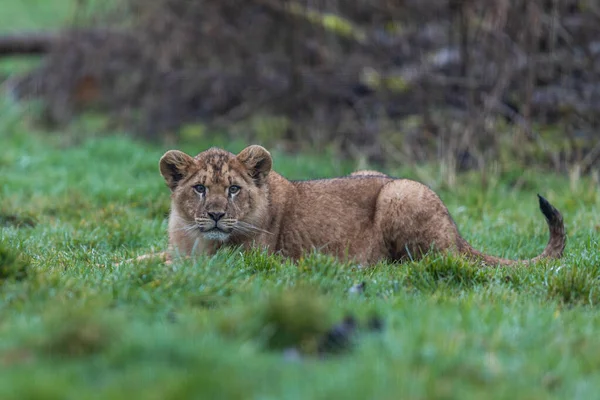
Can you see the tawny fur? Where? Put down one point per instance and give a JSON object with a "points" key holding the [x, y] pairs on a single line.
{"points": [[368, 172], [365, 217]]}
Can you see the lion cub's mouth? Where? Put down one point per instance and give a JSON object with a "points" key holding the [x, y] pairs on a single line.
{"points": [[214, 230], [216, 233]]}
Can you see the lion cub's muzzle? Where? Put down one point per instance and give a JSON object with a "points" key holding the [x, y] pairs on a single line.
{"points": [[216, 226]]}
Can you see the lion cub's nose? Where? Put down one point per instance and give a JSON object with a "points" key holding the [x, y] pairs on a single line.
{"points": [[216, 215]]}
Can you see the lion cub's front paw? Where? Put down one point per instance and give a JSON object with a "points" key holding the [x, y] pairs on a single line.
{"points": [[162, 256]]}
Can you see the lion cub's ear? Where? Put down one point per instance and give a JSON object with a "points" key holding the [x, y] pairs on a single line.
{"points": [[257, 160], [173, 167]]}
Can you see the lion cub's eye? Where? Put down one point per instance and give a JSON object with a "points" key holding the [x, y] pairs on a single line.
{"points": [[200, 189], [233, 189]]}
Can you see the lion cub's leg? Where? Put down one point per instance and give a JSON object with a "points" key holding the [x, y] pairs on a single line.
{"points": [[413, 220], [163, 256]]}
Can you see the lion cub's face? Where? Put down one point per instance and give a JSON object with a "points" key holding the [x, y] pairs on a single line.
{"points": [[218, 195]]}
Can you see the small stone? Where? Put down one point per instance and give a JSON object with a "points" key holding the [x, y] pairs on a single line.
{"points": [[358, 288]]}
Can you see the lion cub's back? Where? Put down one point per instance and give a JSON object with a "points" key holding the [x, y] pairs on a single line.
{"points": [[343, 200], [334, 215]]}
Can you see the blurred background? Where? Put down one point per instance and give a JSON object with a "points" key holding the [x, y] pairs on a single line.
{"points": [[469, 85]]}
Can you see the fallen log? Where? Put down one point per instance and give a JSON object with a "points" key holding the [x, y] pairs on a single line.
{"points": [[27, 43]]}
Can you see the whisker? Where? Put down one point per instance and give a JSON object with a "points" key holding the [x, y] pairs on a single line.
{"points": [[241, 231], [245, 230], [186, 228], [250, 227]]}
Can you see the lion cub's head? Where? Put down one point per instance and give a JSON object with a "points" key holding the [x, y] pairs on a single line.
{"points": [[218, 195]]}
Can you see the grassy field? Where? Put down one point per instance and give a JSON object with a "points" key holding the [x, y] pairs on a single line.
{"points": [[75, 326]]}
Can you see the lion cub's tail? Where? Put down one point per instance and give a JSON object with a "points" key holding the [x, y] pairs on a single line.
{"points": [[554, 248]]}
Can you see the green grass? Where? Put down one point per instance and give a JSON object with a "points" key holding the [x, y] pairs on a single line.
{"points": [[23, 16], [72, 325], [18, 15]]}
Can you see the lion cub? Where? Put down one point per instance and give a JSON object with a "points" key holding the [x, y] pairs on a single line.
{"points": [[220, 199]]}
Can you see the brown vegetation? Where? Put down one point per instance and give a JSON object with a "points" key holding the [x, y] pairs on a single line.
{"points": [[408, 79]]}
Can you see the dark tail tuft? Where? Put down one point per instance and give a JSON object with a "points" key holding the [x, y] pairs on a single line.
{"points": [[552, 215], [558, 237]]}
